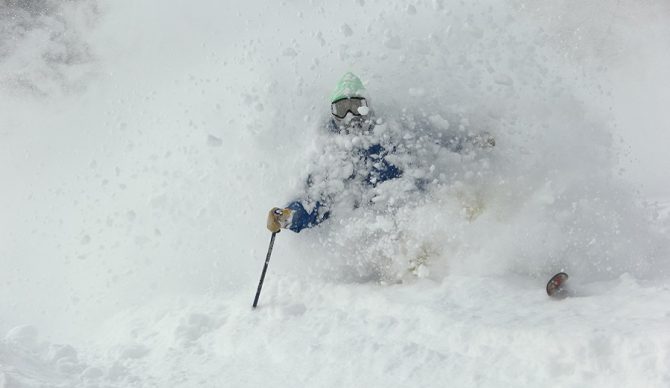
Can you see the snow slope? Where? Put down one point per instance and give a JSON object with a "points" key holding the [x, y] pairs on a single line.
{"points": [[142, 143], [469, 331]]}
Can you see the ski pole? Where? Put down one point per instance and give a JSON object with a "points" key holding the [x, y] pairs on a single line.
{"points": [[265, 268]]}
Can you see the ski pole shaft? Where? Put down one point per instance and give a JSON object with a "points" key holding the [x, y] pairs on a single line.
{"points": [[265, 268]]}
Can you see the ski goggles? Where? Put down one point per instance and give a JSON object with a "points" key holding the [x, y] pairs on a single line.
{"points": [[340, 108]]}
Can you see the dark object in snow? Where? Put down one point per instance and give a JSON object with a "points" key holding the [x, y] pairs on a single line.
{"points": [[555, 286], [265, 268]]}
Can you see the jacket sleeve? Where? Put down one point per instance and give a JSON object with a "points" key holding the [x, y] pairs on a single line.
{"points": [[302, 219]]}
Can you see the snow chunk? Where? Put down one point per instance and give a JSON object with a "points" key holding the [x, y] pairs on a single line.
{"points": [[392, 41], [319, 37], [60, 352], [439, 121], [65, 358], [134, 352], [295, 309], [416, 92], [194, 326], [214, 141], [503, 79], [290, 52], [24, 336], [422, 271], [411, 10], [91, 373], [346, 30]]}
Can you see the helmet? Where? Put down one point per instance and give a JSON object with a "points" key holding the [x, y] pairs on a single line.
{"points": [[349, 86], [350, 109]]}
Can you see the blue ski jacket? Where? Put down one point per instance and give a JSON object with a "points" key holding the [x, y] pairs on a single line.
{"points": [[381, 171]]}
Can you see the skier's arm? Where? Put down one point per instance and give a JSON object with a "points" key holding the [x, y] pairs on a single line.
{"points": [[295, 215]]}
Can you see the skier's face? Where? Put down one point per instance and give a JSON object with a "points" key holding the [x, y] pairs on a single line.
{"points": [[352, 115]]}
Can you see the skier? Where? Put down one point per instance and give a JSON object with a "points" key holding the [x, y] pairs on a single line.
{"points": [[363, 167], [351, 114]]}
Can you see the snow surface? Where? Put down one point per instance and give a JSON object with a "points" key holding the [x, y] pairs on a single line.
{"points": [[469, 331], [142, 143]]}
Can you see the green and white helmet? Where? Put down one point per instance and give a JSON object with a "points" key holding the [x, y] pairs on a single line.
{"points": [[348, 86], [350, 105]]}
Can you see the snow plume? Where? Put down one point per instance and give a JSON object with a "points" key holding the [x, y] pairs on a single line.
{"points": [[183, 125], [544, 199], [547, 198]]}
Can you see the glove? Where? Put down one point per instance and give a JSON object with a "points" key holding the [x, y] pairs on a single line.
{"points": [[278, 219]]}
